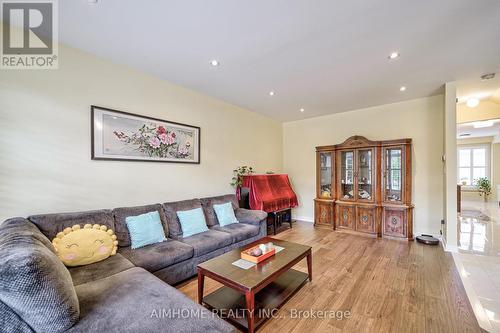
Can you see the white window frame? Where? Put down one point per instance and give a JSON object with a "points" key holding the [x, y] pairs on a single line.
{"points": [[470, 147]]}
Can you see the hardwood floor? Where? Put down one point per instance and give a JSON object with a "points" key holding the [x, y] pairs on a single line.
{"points": [[386, 285]]}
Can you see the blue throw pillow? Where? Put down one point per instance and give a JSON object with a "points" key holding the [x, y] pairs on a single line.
{"points": [[145, 229], [225, 214], [192, 222]]}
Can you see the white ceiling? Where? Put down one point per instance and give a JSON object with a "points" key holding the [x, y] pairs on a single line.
{"points": [[468, 128], [326, 56]]}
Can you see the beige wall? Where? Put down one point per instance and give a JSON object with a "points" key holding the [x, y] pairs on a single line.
{"points": [[420, 119], [473, 141], [45, 139]]}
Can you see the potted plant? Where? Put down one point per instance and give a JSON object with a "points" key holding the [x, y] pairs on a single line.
{"points": [[238, 174], [484, 186]]}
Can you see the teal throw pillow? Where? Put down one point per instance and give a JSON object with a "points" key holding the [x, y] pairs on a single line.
{"points": [[192, 222], [145, 229], [225, 214]]}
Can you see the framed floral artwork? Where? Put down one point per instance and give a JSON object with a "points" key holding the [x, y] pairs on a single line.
{"points": [[118, 135]]}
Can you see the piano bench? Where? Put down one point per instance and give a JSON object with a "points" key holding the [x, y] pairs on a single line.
{"points": [[275, 219]]}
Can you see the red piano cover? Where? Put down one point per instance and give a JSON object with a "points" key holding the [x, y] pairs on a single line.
{"points": [[270, 193]]}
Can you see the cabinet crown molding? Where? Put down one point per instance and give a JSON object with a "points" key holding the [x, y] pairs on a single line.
{"points": [[359, 141]]}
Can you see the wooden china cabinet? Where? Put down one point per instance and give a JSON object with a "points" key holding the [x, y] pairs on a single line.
{"points": [[365, 186]]}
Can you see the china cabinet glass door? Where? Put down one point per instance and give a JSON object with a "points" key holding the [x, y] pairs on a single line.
{"points": [[347, 175], [393, 188], [364, 174], [325, 175]]}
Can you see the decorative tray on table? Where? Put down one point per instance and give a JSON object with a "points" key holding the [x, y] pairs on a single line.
{"points": [[258, 253]]}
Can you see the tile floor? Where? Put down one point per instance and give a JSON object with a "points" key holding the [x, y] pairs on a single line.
{"points": [[478, 260]]}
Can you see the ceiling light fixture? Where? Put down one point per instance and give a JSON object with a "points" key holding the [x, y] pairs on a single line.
{"points": [[472, 102], [393, 55], [302, 109], [488, 76], [214, 63], [483, 124], [403, 88], [271, 93]]}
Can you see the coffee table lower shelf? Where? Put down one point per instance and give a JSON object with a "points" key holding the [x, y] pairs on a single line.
{"points": [[231, 304]]}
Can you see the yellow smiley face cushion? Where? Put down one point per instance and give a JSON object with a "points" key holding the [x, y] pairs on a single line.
{"points": [[77, 246]]}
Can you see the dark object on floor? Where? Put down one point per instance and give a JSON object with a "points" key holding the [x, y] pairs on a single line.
{"points": [[427, 239]]}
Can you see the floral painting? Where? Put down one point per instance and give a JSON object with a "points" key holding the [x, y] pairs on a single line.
{"points": [[118, 135]]}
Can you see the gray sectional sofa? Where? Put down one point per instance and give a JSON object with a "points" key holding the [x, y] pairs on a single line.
{"points": [[129, 291]]}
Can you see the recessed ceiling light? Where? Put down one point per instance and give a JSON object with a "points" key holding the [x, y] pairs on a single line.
{"points": [[472, 102], [403, 88], [393, 55], [271, 93], [214, 62], [302, 109], [483, 124]]}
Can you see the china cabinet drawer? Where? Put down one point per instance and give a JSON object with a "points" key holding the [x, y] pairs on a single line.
{"points": [[366, 219], [345, 216], [394, 221], [323, 213]]}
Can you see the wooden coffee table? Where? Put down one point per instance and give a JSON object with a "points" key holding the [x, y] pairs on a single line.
{"points": [[248, 295]]}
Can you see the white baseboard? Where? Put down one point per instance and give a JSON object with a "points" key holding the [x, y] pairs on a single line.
{"points": [[448, 247], [303, 218]]}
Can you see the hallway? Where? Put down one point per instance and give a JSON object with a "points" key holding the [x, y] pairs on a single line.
{"points": [[478, 259]]}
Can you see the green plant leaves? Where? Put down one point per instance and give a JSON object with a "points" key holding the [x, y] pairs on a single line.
{"points": [[238, 174]]}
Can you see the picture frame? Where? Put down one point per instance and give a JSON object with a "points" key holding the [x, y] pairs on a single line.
{"points": [[123, 136]]}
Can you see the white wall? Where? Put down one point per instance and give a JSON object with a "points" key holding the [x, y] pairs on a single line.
{"points": [[450, 167], [420, 119], [45, 139]]}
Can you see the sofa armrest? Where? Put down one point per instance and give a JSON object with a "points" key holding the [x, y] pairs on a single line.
{"points": [[250, 216]]}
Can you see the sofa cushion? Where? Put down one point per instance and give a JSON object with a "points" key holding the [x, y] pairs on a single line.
{"points": [[225, 213], [145, 229], [120, 214], [157, 256], [209, 210], [51, 224], [112, 265], [34, 282], [250, 216], [11, 322], [137, 301], [208, 241], [192, 221], [171, 209], [238, 231]]}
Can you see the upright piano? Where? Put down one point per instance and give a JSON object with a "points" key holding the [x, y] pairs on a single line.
{"points": [[271, 193]]}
